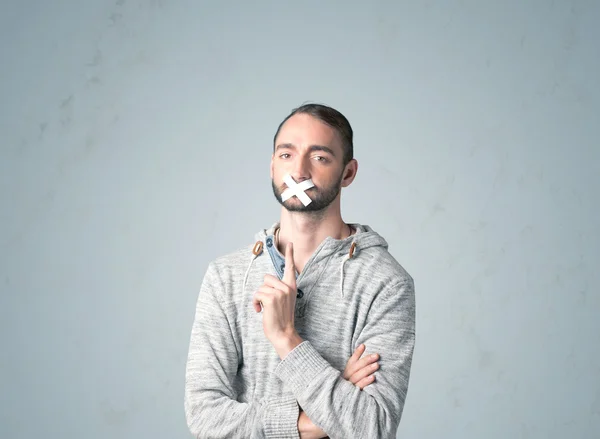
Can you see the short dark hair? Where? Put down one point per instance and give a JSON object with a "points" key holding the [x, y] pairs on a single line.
{"points": [[329, 116]]}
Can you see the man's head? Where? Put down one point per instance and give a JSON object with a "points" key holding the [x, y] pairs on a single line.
{"points": [[313, 142]]}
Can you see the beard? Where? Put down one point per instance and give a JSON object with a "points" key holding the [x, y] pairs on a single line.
{"points": [[321, 197]]}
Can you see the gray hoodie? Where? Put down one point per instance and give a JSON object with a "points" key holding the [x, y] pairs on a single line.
{"points": [[350, 291]]}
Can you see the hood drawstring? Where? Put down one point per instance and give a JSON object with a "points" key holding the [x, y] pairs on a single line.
{"points": [[346, 258], [256, 252]]}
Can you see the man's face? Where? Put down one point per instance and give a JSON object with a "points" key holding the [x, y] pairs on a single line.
{"points": [[306, 148]]}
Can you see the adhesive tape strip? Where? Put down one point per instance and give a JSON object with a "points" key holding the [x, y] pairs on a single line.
{"points": [[296, 189]]}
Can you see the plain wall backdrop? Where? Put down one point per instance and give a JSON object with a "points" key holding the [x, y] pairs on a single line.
{"points": [[135, 146]]}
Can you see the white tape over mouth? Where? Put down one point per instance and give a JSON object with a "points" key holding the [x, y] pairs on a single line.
{"points": [[296, 189]]}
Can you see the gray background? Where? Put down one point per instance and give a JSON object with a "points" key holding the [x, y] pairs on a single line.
{"points": [[136, 139]]}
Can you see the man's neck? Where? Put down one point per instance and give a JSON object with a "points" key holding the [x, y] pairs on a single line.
{"points": [[307, 232]]}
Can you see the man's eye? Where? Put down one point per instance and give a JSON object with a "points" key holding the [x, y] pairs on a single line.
{"points": [[321, 159], [284, 154]]}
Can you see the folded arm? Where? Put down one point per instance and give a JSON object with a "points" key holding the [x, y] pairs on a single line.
{"points": [[337, 406], [210, 400]]}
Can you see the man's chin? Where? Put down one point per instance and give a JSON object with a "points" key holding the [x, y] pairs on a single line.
{"points": [[298, 206], [295, 206]]}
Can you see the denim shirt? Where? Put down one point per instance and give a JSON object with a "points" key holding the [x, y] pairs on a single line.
{"points": [[279, 261]]}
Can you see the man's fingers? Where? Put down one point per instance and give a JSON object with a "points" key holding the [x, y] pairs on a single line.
{"points": [[355, 362], [266, 289], [357, 353], [365, 382], [289, 273], [264, 295], [363, 373], [275, 283], [366, 360], [257, 302], [350, 366], [355, 365]]}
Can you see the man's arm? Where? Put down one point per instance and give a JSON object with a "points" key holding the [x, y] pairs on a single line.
{"points": [[210, 400], [337, 406]]}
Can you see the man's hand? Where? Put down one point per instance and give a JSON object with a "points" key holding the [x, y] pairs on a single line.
{"points": [[359, 371], [307, 429], [278, 301]]}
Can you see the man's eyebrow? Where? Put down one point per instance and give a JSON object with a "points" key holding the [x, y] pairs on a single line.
{"points": [[311, 148], [285, 146]]}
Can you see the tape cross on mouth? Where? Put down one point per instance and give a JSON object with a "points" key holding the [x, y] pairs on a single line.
{"points": [[296, 189]]}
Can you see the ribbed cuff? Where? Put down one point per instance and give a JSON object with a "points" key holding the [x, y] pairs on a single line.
{"points": [[280, 418], [299, 368]]}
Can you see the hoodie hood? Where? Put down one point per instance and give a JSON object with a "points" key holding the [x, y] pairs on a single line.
{"points": [[364, 237], [339, 252]]}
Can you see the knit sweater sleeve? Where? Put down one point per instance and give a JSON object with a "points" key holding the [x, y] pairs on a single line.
{"points": [[211, 408], [337, 406]]}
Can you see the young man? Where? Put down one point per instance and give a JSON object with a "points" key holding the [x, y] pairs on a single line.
{"points": [[281, 325]]}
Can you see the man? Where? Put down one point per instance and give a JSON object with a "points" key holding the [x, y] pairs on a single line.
{"points": [[277, 322]]}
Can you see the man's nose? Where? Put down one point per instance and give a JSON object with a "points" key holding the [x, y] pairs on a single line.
{"points": [[300, 171]]}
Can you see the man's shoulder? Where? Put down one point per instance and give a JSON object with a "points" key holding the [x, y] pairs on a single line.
{"points": [[233, 258], [382, 265], [234, 262], [226, 271]]}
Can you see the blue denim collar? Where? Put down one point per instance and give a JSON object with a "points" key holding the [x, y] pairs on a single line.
{"points": [[277, 258], [279, 261]]}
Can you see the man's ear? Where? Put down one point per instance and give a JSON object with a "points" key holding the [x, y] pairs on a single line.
{"points": [[350, 171], [271, 167]]}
